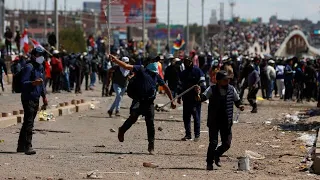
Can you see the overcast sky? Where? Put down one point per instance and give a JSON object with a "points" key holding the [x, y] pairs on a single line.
{"points": [[285, 9]]}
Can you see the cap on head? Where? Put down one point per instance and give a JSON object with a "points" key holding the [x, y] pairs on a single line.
{"points": [[125, 59], [271, 62], [153, 67], [222, 75], [171, 56], [55, 52], [37, 50]]}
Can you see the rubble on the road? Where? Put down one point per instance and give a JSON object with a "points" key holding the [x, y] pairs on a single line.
{"points": [[254, 155]]}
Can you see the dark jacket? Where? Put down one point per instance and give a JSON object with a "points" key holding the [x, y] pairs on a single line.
{"points": [[31, 72], [218, 102], [188, 78], [3, 66], [171, 75]]}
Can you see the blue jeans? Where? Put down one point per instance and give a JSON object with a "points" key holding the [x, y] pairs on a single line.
{"points": [[92, 79], [67, 81], [119, 94], [270, 88], [194, 110]]}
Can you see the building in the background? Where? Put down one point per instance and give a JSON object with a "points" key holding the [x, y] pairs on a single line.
{"points": [[34, 20], [273, 20], [92, 6], [129, 12], [213, 18]]}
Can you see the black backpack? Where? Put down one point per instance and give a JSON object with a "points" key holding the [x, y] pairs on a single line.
{"points": [[142, 86], [17, 84]]}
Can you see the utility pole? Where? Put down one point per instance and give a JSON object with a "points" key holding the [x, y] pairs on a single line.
{"points": [[109, 25], [56, 22], [202, 29], [45, 19], [187, 43], [221, 31], [95, 22], [65, 13], [143, 26], [168, 40]]}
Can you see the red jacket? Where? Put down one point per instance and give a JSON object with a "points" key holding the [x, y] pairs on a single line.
{"points": [[47, 70], [56, 65]]}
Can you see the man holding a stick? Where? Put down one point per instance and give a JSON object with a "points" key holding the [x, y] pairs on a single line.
{"points": [[221, 97]]}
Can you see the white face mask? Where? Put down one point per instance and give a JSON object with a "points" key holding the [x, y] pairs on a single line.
{"points": [[40, 59]]}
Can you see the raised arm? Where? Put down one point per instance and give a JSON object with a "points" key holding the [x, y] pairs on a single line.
{"points": [[121, 63]]}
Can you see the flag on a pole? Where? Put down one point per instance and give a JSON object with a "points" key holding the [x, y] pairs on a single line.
{"points": [[24, 41], [36, 44], [179, 43]]}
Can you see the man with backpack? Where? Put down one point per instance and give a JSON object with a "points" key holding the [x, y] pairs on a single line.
{"points": [[32, 87], [142, 89]]}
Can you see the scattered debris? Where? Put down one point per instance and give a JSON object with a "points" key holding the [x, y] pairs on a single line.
{"points": [[160, 128], [275, 146], [313, 112], [254, 155], [120, 157], [171, 117], [112, 130], [244, 163], [92, 106], [51, 157], [309, 139], [48, 130], [291, 118], [100, 146], [258, 144], [267, 122], [202, 146], [150, 165], [204, 131], [1, 141], [93, 175]]}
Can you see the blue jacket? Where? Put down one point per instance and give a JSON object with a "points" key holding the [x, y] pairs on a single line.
{"points": [[188, 78], [31, 72], [288, 73]]}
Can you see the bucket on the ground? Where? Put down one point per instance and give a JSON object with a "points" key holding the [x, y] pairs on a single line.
{"points": [[243, 164]]}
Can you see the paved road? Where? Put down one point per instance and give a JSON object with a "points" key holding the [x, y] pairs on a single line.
{"points": [[72, 155]]}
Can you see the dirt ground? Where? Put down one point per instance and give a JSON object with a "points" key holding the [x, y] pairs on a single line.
{"points": [[90, 145]]}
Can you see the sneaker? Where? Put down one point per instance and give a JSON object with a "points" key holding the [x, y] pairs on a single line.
{"points": [[120, 135], [30, 151], [186, 138], [110, 113], [197, 139], [151, 148]]}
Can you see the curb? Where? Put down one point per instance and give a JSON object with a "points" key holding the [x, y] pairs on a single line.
{"points": [[66, 108]]}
